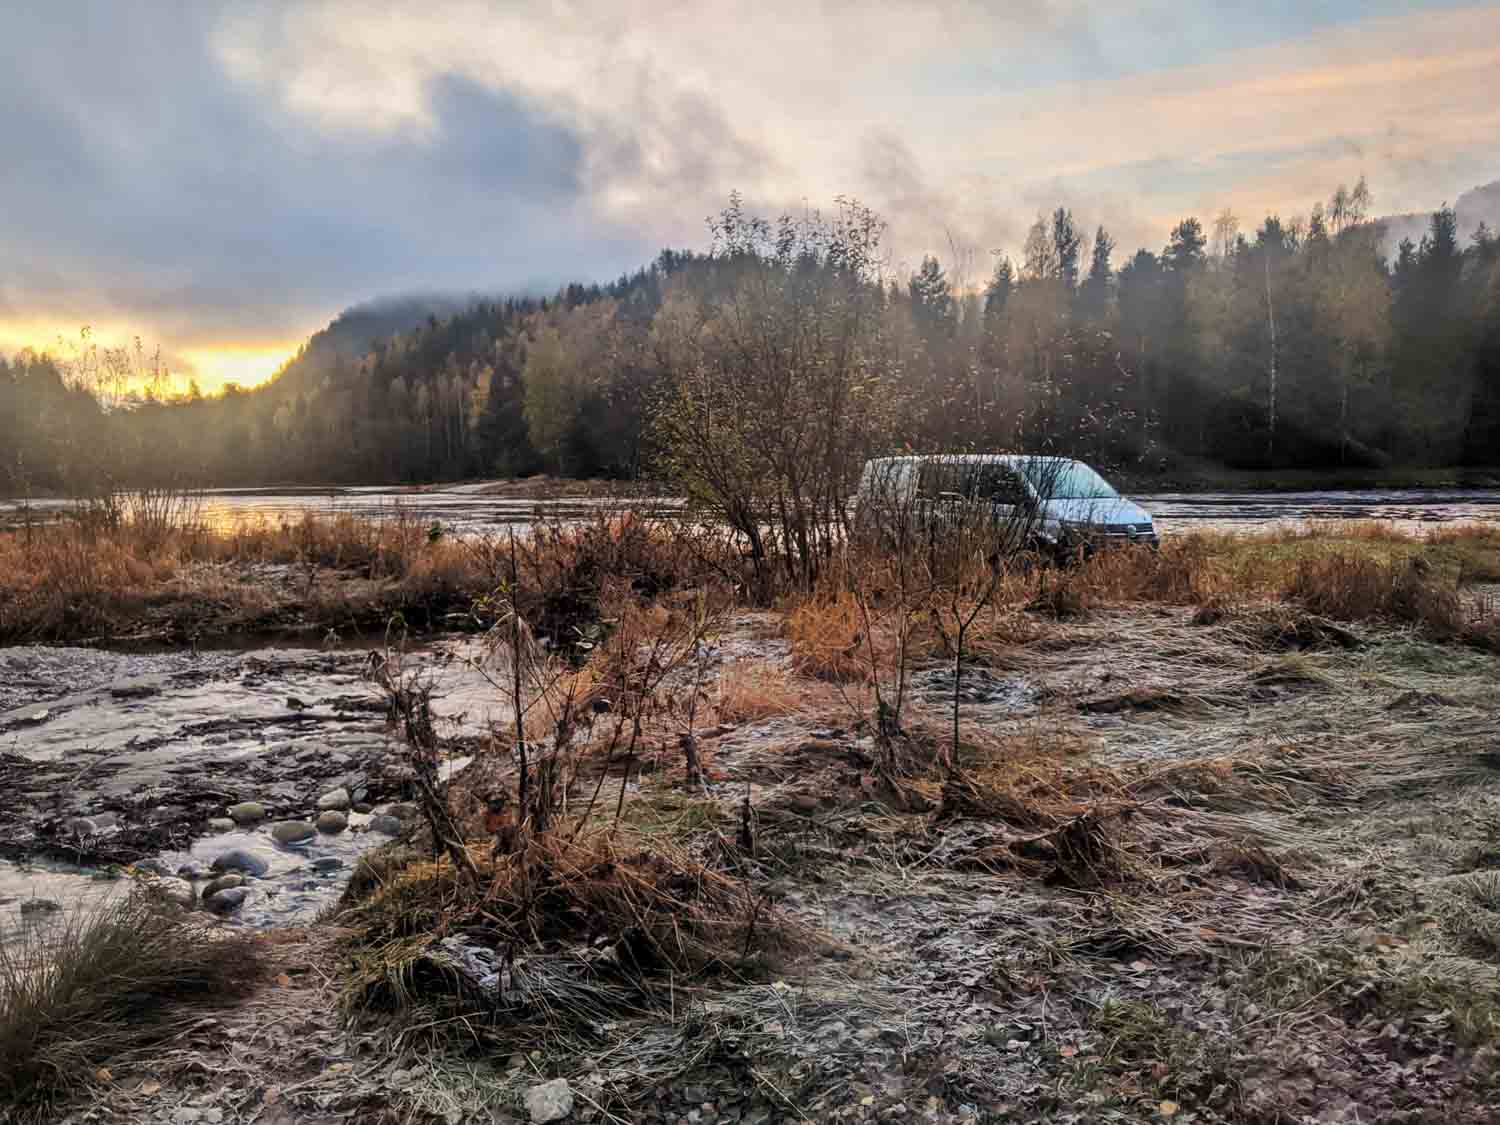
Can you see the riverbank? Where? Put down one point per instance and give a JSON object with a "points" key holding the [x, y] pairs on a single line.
{"points": [[1203, 834], [322, 578]]}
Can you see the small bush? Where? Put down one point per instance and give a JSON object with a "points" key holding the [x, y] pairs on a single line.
{"points": [[101, 987]]}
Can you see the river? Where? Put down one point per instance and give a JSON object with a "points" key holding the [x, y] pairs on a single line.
{"points": [[485, 508]]}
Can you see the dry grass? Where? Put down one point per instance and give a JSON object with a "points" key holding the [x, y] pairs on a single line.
{"points": [[80, 579], [102, 988], [748, 691], [569, 930], [828, 637]]}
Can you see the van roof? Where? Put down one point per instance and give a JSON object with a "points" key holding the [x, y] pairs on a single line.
{"points": [[989, 458]]}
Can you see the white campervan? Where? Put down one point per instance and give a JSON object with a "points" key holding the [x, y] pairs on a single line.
{"points": [[1066, 505]]}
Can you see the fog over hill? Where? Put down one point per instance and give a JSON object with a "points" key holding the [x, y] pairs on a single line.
{"points": [[1475, 206]]}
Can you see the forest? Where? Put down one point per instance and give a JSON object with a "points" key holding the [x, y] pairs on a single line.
{"points": [[1296, 344]]}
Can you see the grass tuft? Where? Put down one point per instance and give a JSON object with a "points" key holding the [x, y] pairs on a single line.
{"points": [[106, 985]]}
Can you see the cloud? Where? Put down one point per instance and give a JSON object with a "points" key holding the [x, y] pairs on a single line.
{"points": [[211, 172]]}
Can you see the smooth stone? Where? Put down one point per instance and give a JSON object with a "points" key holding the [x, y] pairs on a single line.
{"points": [[326, 863], [292, 831], [247, 812], [551, 1101], [40, 906], [336, 799], [220, 824], [223, 883], [238, 859], [227, 901], [363, 809], [332, 821], [80, 826], [192, 869], [386, 825]]}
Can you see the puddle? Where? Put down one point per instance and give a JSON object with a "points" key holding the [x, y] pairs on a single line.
{"points": [[45, 894], [979, 688]]}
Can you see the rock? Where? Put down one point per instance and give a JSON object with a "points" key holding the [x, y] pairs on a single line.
{"points": [[179, 891], [336, 799], [332, 821], [49, 906], [80, 826], [238, 859], [192, 869], [295, 704], [105, 820], [134, 689], [220, 824], [222, 883], [227, 901], [402, 811], [292, 831], [363, 809], [247, 812], [326, 863], [551, 1101], [386, 825]]}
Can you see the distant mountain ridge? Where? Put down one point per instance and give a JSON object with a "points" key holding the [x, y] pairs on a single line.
{"points": [[359, 328], [1475, 206]]}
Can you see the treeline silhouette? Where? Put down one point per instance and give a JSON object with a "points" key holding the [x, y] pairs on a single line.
{"points": [[1295, 344]]}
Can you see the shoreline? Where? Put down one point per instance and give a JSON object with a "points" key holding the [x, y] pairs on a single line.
{"points": [[1183, 481]]}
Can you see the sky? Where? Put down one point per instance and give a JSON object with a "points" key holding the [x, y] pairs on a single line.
{"points": [[221, 179]]}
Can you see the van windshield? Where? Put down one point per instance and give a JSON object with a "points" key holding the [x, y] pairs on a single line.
{"points": [[1068, 480]]}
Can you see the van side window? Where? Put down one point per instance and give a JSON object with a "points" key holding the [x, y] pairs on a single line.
{"points": [[997, 484], [936, 478]]}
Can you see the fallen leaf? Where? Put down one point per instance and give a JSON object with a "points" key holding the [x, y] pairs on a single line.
{"points": [[272, 1095], [1168, 1109], [283, 980], [1068, 1051], [149, 1087], [103, 1074]]}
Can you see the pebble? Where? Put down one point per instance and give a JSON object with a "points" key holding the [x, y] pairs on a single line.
{"points": [[401, 810], [551, 1101], [363, 809], [292, 831], [326, 863], [227, 901], [386, 825], [220, 824], [223, 883], [192, 869], [247, 812], [332, 820], [336, 799], [240, 860]]}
